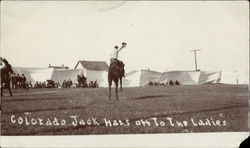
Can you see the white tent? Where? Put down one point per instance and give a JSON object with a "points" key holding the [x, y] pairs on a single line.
{"points": [[42, 74], [34, 74], [153, 76], [59, 75], [100, 76], [193, 77], [184, 77], [141, 78], [209, 77], [132, 79]]}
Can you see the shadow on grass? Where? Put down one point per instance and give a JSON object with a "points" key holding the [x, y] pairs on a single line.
{"points": [[151, 97], [7, 100]]}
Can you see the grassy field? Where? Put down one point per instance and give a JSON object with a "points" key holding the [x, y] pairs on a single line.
{"points": [[201, 108]]}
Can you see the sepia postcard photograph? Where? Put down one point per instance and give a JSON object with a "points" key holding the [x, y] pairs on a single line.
{"points": [[120, 68]]}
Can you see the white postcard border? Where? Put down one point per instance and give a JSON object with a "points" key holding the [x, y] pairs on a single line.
{"points": [[223, 139]]}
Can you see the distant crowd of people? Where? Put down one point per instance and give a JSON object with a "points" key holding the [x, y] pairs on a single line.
{"points": [[65, 84], [46, 84], [156, 83], [165, 83], [82, 82], [20, 82], [93, 84], [171, 83]]}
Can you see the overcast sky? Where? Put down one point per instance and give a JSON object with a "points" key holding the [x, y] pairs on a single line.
{"points": [[160, 35]]}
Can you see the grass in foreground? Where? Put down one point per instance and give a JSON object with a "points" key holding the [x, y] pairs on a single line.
{"points": [[201, 108]]}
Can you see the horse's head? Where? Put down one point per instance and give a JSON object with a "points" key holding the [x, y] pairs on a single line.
{"points": [[8, 67]]}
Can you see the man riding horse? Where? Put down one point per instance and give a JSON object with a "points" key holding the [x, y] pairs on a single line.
{"points": [[114, 58], [116, 69]]}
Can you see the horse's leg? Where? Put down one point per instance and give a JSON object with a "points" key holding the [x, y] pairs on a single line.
{"points": [[109, 91], [9, 89], [110, 83], [120, 83], [1, 89], [116, 89]]}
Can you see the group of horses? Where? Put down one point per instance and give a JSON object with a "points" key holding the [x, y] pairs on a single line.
{"points": [[115, 73]]}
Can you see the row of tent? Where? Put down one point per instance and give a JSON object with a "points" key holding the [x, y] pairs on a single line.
{"points": [[132, 79], [59, 75], [143, 77]]}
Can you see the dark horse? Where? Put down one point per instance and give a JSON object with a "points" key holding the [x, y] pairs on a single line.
{"points": [[116, 72], [6, 72]]}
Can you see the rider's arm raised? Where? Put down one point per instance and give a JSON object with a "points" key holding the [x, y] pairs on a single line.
{"points": [[124, 45]]}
